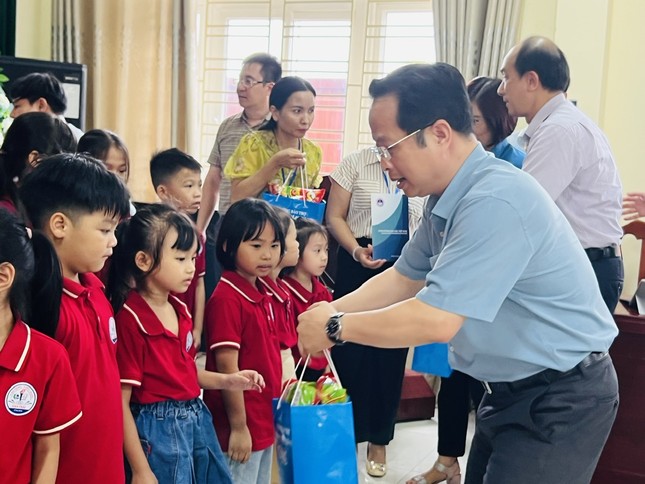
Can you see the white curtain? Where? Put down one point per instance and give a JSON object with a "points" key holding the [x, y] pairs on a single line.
{"points": [[474, 35]]}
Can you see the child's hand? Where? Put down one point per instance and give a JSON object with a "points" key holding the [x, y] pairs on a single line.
{"points": [[146, 477], [197, 339], [244, 380], [240, 444]]}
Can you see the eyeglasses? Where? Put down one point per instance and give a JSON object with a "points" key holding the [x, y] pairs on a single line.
{"points": [[383, 153], [248, 82]]}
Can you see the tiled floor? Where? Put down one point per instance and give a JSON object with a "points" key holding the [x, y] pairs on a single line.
{"points": [[413, 451]]}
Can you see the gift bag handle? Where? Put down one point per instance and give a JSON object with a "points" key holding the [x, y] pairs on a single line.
{"points": [[296, 393]]}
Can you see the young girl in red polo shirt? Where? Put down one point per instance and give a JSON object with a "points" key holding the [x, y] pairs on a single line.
{"points": [[168, 431], [281, 302], [241, 333], [304, 283], [36, 381]]}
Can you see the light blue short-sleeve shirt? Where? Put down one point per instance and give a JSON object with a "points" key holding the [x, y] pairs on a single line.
{"points": [[495, 249]]}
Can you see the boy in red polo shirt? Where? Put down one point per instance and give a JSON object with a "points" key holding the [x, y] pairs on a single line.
{"points": [[36, 381], [77, 203], [176, 177]]}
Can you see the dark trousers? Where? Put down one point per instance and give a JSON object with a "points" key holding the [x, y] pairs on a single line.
{"points": [[547, 428], [372, 376], [610, 274], [459, 393]]}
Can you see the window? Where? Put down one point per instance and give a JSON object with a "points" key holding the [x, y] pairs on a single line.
{"points": [[338, 46]]}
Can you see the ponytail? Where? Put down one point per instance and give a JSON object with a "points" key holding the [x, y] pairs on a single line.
{"points": [[46, 287]]}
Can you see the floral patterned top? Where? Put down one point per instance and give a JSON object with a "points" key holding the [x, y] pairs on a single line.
{"points": [[255, 150]]}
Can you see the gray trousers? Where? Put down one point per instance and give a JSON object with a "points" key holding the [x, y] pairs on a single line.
{"points": [[547, 428]]}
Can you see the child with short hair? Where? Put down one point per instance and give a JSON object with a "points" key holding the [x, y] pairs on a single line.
{"points": [[169, 434], [176, 177], [304, 283], [77, 204], [274, 286], [36, 380], [241, 333]]}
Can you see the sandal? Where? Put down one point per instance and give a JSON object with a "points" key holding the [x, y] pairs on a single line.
{"points": [[451, 474]]}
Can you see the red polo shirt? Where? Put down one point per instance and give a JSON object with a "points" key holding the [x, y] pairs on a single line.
{"points": [[159, 365], [302, 299], [190, 295], [91, 450], [239, 316], [282, 310], [39, 394]]}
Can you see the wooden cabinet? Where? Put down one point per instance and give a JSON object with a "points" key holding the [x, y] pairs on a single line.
{"points": [[623, 459]]}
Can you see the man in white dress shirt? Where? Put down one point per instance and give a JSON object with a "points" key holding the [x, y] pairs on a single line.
{"points": [[568, 155], [41, 91]]}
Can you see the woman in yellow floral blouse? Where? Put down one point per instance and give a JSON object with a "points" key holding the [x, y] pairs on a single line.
{"points": [[271, 155]]}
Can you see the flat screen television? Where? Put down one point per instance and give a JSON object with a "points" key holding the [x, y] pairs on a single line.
{"points": [[72, 76]]}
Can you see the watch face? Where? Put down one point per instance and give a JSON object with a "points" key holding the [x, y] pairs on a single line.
{"points": [[333, 328]]}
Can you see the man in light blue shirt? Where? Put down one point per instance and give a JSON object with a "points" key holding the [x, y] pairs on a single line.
{"points": [[495, 270]]}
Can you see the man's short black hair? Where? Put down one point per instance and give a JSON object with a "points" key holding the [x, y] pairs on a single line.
{"points": [[427, 93], [74, 184], [165, 164], [543, 57], [271, 68], [40, 84]]}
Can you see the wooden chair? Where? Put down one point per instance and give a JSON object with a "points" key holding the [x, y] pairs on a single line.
{"points": [[637, 229]]}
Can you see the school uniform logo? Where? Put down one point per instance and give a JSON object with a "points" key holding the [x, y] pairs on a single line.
{"points": [[20, 399], [189, 341], [112, 325]]}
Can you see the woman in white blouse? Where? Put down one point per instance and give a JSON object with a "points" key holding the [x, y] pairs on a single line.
{"points": [[372, 376]]}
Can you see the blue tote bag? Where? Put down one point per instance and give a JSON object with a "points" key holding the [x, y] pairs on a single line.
{"points": [[315, 443], [432, 358]]}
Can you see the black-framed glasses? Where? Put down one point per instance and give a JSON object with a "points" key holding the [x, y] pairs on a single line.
{"points": [[383, 153], [248, 82]]}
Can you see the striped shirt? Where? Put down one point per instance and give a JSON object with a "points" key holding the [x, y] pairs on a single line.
{"points": [[229, 135], [360, 174]]}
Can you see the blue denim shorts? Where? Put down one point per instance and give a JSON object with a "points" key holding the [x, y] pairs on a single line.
{"points": [[179, 441]]}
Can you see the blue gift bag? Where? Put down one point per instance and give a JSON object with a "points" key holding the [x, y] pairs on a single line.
{"points": [[315, 443], [297, 207], [432, 358]]}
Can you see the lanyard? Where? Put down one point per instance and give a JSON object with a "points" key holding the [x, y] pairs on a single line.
{"points": [[387, 184]]}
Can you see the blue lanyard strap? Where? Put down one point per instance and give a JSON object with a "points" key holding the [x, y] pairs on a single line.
{"points": [[387, 183]]}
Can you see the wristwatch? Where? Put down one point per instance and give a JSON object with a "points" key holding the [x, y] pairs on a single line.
{"points": [[334, 327]]}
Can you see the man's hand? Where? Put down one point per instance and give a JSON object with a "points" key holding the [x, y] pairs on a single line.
{"points": [[311, 328], [633, 206]]}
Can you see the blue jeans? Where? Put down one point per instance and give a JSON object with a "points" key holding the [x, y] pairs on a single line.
{"points": [[256, 471], [179, 441]]}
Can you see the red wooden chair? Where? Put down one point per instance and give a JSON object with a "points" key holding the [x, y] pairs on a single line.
{"points": [[637, 229]]}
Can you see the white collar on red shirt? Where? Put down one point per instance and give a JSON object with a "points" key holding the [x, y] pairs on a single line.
{"points": [[87, 282], [16, 347], [242, 286], [298, 289], [274, 289], [151, 325]]}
